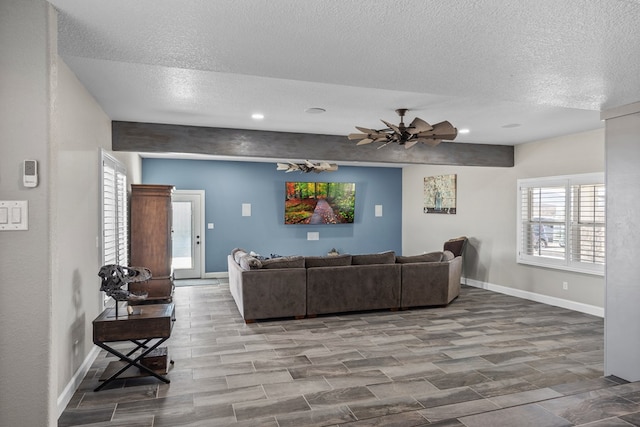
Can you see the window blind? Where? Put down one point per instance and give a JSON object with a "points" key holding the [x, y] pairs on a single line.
{"points": [[561, 222]]}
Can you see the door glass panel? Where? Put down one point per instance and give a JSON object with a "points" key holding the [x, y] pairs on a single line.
{"points": [[181, 242]]}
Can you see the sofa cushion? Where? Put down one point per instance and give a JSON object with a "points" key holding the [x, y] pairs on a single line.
{"points": [[284, 262], [430, 257], [327, 261], [388, 257], [247, 262]]}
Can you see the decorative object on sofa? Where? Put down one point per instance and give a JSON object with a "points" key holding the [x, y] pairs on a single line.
{"points": [[307, 167], [150, 225], [114, 277], [319, 202], [417, 131], [333, 252], [440, 194]]}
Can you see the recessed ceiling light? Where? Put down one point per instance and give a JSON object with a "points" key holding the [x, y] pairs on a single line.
{"points": [[315, 110], [257, 116], [465, 130]]}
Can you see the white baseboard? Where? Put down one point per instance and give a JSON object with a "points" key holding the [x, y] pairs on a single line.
{"points": [[72, 386], [545, 299], [216, 275]]}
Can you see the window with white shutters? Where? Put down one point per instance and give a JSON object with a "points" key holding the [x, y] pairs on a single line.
{"points": [[561, 222], [114, 211]]}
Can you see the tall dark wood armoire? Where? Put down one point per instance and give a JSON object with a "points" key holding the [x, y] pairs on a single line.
{"points": [[150, 227]]}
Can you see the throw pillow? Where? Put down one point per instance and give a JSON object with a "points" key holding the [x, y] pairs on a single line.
{"points": [[247, 262], [327, 261], [284, 262], [448, 256], [238, 253], [388, 257]]}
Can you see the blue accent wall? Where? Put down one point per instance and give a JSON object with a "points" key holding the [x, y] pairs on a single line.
{"points": [[229, 184]]}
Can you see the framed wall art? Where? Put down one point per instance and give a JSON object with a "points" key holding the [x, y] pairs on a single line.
{"points": [[440, 194]]}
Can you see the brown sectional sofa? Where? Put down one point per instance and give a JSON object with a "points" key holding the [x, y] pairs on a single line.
{"points": [[307, 286], [368, 282]]}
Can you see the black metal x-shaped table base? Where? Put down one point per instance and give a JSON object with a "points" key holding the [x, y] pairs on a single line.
{"points": [[133, 362]]}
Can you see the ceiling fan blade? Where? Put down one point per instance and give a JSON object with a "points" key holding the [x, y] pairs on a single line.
{"points": [[445, 128], [366, 130], [418, 125], [393, 127], [380, 139], [410, 143], [365, 141], [357, 135]]}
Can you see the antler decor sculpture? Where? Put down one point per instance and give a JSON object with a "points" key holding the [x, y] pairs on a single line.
{"points": [[307, 167], [114, 277]]}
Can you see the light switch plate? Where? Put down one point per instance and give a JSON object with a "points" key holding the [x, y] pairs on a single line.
{"points": [[246, 209], [313, 235], [378, 210], [14, 215]]}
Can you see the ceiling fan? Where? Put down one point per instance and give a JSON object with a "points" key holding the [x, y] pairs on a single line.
{"points": [[417, 131]]}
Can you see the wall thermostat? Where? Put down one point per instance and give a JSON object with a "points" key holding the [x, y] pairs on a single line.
{"points": [[30, 175]]}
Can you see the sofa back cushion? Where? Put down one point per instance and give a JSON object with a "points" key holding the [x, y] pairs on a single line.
{"points": [[456, 245], [388, 257], [284, 262], [430, 257], [327, 261]]}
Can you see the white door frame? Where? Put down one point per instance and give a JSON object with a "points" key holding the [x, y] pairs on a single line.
{"points": [[197, 230]]}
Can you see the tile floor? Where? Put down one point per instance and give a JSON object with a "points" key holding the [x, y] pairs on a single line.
{"points": [[485, 360]]}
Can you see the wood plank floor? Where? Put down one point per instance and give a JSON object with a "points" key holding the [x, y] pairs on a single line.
{"points": [[485, 360]]}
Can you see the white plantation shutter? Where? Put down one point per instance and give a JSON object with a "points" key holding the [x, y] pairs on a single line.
{"points": [[114, 212], [587, 223], [561, 222]]}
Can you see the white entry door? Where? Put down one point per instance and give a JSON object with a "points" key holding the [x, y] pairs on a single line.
{"points": [[188, 234]]}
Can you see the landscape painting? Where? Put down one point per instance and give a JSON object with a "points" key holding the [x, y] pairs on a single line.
{"points": [[319, 203], [440, 194]]}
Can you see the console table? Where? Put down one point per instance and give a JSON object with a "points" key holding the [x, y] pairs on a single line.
{"points": [[147, 328]]}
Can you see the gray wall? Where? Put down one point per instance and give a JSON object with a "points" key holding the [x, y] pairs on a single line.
{"points": [[487, 215]]}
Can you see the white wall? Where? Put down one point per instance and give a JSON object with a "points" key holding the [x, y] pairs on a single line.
{"points": [[486, 213], [49, 290], [80, 129], [27, 394], [622, 323]]}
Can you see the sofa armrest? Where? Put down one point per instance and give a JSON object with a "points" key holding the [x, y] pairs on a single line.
{"points": [[430, 283], [268, 293]]}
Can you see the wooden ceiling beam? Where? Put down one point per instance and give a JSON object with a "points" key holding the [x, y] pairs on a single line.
{"points": [[167, 138]]}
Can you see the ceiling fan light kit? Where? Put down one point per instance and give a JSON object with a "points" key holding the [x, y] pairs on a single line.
{"points": [[418, 131]]}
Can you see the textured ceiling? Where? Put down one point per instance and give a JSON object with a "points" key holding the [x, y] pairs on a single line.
{"points": [[548, 66]]}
